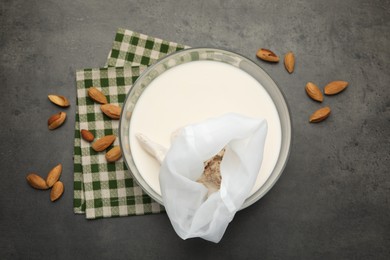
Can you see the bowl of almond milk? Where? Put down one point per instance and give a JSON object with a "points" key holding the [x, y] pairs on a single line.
{"points": [[190, 86]]}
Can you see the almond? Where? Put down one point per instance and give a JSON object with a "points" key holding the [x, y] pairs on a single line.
{"points": [[314, 92], [36, 181], [56, 120], [335, 87], [267, 55], [97, 95], [114, 154], [289, 62], [104, 142], [59, 100], [87, 135], [56, 191], [111, 111], [54, 175], [320, 115]]}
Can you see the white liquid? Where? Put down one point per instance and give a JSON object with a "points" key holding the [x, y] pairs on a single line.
{"points": [[191, 93]]}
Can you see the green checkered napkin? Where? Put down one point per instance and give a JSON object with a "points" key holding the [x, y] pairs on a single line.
{"points": [[134, 49], [104, 189]]}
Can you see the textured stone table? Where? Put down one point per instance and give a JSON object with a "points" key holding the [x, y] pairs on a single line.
{"points": [[333, 199]]}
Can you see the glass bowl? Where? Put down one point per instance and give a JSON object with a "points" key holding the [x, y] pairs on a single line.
{"points": [[187, 56]]}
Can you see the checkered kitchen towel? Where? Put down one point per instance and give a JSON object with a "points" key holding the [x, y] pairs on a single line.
{"points": [[104, 189]]}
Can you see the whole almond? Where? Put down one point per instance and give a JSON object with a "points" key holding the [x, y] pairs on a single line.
{"points": [[97, 95], [56, 191], [289, 62], [56, 120], [314, 92], [114, 154], [320, 115], [335, 87], [54, 175], [59, 100], [104, 142], [111, 111], [36, 181], [267, 55], [87, 135]]}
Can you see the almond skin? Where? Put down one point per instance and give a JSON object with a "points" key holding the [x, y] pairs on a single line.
{"points": [[97, 95], [54, 175], [59, 100], [314, 92], [56, 120], [114, 154], [320, 115], [36, 181], [104, 142], [112, 111], [87, 135], [335, 87], [289, 62], [267, 55], [57, 191]]}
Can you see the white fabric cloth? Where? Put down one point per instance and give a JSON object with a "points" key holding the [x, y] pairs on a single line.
{"points": [[191, 213]]}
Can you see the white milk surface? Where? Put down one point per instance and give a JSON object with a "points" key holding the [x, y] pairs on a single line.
{"points": [[191, 93]]}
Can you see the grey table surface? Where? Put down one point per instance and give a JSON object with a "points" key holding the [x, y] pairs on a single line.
{"points": [[333, 199]]}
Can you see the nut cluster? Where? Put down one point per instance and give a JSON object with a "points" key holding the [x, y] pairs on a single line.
{"points": [[57, 120], [113, 112], [312, 90], [52, 181]]}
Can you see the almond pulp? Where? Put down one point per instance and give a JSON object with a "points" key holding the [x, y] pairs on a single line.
{"points": [[56, 191], [87, 135], [59, 100], [36, 181], [54, 175], [289, 62], [112, 111], [97, 95], [267, 55], [114, 154], [320, 115], [56, 120], [335, 87], [314, 92], [104, 142]]}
